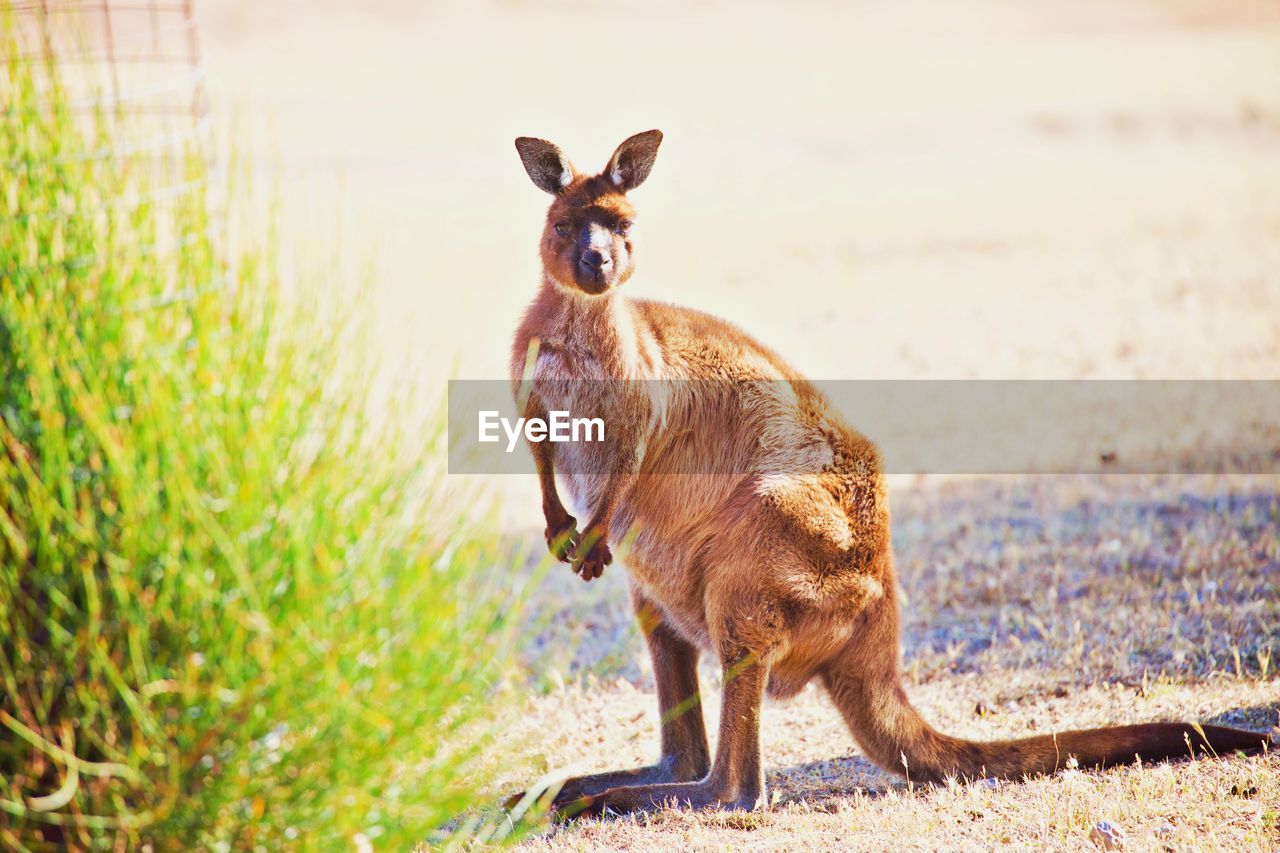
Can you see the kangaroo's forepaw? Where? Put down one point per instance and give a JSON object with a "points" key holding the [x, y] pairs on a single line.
{"points": [[562, 538], [589, 562]]}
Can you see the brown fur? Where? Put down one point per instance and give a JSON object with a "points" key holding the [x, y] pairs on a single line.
{"points": [[774, 556]]}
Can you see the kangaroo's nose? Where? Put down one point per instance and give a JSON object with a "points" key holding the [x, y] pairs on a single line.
{"points": [[593, 260]]}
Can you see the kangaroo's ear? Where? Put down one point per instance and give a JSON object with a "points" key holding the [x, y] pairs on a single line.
{"points": [[546, 164], [631, 163]]}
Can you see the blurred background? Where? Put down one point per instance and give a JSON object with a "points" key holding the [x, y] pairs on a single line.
{"points": [[987, 189]]}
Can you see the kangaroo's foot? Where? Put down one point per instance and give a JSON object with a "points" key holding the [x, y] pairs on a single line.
{"points": [[706, 794], [668, 770]]}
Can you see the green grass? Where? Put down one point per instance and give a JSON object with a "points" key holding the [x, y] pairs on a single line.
{"points": [[237, 607]]}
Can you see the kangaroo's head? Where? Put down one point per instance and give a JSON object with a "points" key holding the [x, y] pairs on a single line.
{"points": [[586, 242]]}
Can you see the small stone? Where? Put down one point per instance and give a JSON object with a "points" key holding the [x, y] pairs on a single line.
{"points": [[990, 783], [1107, 835]]}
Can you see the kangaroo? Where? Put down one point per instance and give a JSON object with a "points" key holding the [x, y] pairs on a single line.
{"points": [[775, 557]]}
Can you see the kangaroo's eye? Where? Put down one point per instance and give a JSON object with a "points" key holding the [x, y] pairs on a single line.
{"points": [[623, 227], [562, 228]]}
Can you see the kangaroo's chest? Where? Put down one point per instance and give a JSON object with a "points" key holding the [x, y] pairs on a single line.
{"points": [[573, 379], [575, 382]]}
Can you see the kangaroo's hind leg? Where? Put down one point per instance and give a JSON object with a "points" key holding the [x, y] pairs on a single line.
{"points": [[736, 780], [746, 628], [685, 754]]}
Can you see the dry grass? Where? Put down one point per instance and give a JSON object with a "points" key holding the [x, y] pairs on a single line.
{"points": [[1050, 603]]}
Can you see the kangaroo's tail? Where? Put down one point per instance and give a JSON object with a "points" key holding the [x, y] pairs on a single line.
{"points": [[896, 737]]}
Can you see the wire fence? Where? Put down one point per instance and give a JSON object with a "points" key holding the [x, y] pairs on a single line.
{"points": [[149, 51], [132, 73], [135, 65]]}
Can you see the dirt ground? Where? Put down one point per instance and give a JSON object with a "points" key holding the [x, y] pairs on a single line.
{"points": [[926, 189]]}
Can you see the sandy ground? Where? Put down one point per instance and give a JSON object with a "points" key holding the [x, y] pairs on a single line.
{"points": [[979, 189]]}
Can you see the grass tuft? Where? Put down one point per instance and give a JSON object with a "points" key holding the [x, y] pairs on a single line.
{"points": [[237, 607]]}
